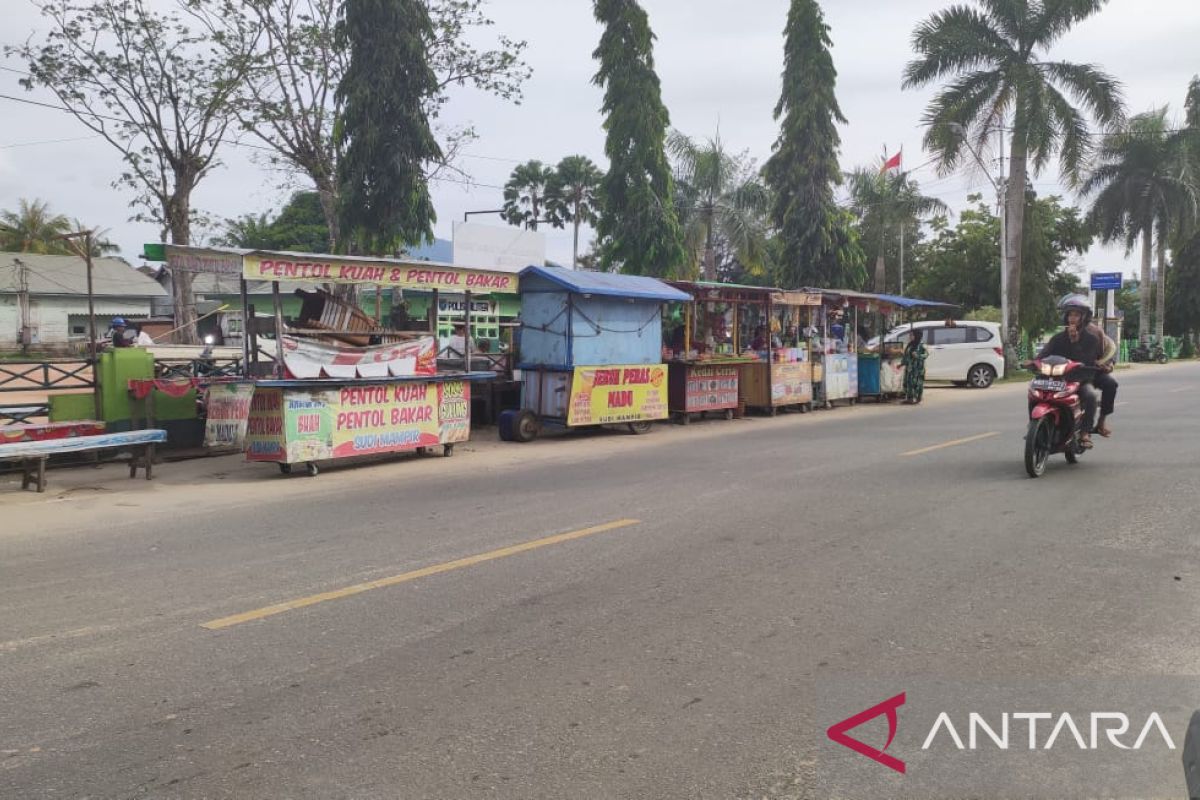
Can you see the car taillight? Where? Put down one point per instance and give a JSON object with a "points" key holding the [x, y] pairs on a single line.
{"points": [[999, 351]]}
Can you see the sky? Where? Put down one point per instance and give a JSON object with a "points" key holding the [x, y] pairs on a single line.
{"points": [[719, 63]]}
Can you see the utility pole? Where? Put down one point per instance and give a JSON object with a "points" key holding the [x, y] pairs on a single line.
{"points": [[23, 303]]}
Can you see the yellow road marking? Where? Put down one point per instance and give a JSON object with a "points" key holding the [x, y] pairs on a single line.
{"points": [[955, 443], [424, 572]]}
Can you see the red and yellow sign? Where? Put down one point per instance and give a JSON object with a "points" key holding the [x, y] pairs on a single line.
{"points": [[608, 395], [319, 269]]}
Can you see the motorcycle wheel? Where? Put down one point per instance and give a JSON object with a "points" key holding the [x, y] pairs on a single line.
{"points": [[1162, 358], [1039, 440]]}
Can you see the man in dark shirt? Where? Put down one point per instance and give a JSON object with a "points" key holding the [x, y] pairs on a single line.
{"points": [[1079, 342]]}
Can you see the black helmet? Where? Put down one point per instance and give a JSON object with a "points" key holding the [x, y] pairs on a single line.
{"points": [[1076, 302]]}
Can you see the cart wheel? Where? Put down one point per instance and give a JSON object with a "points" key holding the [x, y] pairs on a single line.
{"points": [[526, 426], [639, 428], [685, 418], [312, 469], [286, 469], [772, 411], [804, 408], [728, 413], [448, 450]]}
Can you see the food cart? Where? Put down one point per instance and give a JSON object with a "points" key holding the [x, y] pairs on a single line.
{"points": [[755, 336], [835, 339], [332, 383], [591, 351]]}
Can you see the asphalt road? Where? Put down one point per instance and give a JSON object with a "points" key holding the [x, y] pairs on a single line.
{"points": [[725, 594]]}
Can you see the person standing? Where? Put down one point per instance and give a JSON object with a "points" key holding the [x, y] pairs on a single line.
{"points": [[913, 362]]}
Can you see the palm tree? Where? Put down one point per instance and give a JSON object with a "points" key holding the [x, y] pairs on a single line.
{"points": [[525, 194], [994, 53], [718, 198], [572, 195], [1145, 187], [101, 244], [32, 228], [886, 203]]}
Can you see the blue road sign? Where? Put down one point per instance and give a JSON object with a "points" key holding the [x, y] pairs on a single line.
{"points": [[1106, 280]]}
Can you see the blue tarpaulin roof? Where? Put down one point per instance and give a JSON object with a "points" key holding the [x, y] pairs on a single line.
{"points": [[890, 299], [607, 284]]}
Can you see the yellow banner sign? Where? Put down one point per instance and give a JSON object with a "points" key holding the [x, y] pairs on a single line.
{"points": [[608, 395], [383, 273]]}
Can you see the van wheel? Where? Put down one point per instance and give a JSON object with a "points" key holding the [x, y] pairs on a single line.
{"points": [[981, 376]]}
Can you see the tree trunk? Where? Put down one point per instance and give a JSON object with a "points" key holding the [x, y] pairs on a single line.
{"points": [[710, 254], [1144, 287], [880, 272], [328, 196], [1015, 235], [575, 244], [177, 212], [1160, 299]]}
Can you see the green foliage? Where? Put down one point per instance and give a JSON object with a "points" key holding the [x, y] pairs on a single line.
{"points": [[299, 226], [33, 228], [638, 229], [722, 207], [383, 137], [884, 203], [1183, 285], [573, 195], [819, 244], [961, 265], [525, 196]]}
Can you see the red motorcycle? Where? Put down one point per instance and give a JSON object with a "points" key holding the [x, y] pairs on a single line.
{"points": [[1055, 412]]}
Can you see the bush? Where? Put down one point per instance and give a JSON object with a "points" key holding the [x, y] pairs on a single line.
{"points": [[1187, 350]]}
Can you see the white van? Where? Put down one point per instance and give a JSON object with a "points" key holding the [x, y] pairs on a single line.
{"points": [[967, 353]]}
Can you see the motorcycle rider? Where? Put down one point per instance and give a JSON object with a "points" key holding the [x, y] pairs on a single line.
{"points": [[1079, 342]]}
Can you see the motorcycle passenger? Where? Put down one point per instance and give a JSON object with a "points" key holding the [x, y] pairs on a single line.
{"points": [[1105, 382], [1078, 342]]}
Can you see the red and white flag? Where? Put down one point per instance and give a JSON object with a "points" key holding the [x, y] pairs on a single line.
{"points": [[894, 162]]}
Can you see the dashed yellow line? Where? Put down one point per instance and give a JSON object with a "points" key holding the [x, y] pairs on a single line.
{"points": [[424, 572], [954, 443]]}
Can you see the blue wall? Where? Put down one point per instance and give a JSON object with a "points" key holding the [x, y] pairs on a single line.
{"points": [[630, 330]]}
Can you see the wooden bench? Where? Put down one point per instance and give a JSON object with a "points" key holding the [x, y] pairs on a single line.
{"points": [[33, 455]]}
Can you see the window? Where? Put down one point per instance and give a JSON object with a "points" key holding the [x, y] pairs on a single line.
{"points": [[979, 334], [944, 336]]}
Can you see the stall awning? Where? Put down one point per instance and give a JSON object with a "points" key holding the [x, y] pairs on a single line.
{"points": [[885, 299], [607, 284], [318, 268]]}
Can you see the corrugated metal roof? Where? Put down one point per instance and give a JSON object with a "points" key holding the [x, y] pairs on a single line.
{"points": [[67, 275], [607, 284]]}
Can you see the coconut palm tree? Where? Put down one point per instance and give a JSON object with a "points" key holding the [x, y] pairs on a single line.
{"points": [[572, 195], [718, 199], [33, 228], [1145, 187], [994, 55], [885, 204], [525, 194]]}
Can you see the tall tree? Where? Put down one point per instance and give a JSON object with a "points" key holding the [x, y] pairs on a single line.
{"points": [[720, 201], [1183, 296], [299, 226], [1144, 187], [572, 196], [291, 104], [889, 207], [33, 228], [525, 194], [995, 55], [638, 228], [818, 247], [384, 138]]}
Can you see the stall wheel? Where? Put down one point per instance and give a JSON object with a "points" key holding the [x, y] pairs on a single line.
{"points": [[286, 469], [448, 450], [728, 413], [639, 428], [312, 469], [526, 426], [685, 418]]}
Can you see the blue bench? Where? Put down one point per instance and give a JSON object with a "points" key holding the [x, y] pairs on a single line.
{"points": [[33, 455]]}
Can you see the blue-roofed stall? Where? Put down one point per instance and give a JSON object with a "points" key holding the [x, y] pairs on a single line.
{"points": [[590, 351]]}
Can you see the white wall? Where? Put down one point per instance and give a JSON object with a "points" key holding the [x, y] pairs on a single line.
{"points": [[502, 247], [49, 317]]}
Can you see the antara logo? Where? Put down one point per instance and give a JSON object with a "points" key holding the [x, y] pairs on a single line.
{"points": [[838, 732], [1103, 728]]}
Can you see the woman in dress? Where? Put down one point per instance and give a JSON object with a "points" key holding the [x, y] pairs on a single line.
{"points": [[914, 367]]}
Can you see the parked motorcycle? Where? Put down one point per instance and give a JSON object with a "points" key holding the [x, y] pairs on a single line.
{"points": [[1144, 353], [1055, 412]]}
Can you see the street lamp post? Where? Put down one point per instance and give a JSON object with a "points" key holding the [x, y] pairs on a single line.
{"points": [[1002, 207]]}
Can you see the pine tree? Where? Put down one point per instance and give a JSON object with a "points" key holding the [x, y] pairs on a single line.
{"points": [[384, 135], [818, 247], [638, 228]]}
